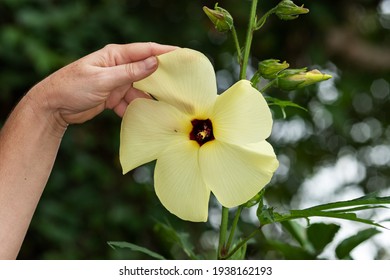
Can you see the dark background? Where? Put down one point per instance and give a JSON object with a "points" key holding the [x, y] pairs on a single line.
{"points": [[88, 202]]}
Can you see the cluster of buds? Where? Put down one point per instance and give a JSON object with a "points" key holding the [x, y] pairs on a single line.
{"points": [[272, 69], [221, 18], [223, 21], [289, 79]]}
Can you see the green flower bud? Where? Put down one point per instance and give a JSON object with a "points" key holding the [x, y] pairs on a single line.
{"points": [[298, 78], [287, 10], [221, 18], [270, 68]]}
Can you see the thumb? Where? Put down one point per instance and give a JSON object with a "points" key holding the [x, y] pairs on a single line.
{"points": [[138, 70], [127, 73]]}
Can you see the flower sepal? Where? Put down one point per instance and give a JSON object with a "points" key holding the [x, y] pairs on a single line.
{"points": [[288, 10], [220, 17], [270, 68]]}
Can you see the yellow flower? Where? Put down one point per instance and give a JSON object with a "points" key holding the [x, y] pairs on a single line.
{"points": [[203, 142]]}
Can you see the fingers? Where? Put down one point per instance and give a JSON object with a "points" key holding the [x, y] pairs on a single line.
{"points": [[124, 64], [141, 69], [116, 67], [123, 54], [120, 109], [118, 101], [120, 75]]}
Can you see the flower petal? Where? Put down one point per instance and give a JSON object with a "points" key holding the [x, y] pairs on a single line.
{"points": [[178, 182], [236, 174], [148, 128], [241, 115], [185, 79]]}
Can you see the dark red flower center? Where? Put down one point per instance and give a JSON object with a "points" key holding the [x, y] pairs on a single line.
{"points": [[202, 131]]}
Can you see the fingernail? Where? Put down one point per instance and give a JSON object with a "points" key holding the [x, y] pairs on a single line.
{"points": [[150, 63]]}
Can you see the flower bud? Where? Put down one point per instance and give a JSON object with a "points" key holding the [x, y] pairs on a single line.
{"points": [[287, 10], [221, 18], [298, 78], [270, 68]]}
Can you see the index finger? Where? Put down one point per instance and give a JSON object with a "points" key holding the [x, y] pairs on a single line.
{"points": [[115, 54]]}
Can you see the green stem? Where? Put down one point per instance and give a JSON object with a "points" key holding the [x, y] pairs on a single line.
{"points": [[248, 41], [263, 19], [237, 44], [267, 86], [222, 233], [242, 243], [234, 226]]}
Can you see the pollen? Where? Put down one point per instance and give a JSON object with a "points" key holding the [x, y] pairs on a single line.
{"points": [[202, 131], [202, 134]]}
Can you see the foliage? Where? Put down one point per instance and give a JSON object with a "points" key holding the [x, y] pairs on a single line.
{"points": [[344, 127]]}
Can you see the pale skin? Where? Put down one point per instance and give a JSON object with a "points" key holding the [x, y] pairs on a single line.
{"points": [[30, 138]]}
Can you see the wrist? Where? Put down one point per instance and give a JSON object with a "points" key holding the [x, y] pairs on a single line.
{"points": [[37, 100]]}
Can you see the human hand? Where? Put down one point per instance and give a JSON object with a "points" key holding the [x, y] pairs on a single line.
{"points": [[100, 80]]}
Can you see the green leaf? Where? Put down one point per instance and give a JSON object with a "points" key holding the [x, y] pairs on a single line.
{"points": [[179, 238], [321, 234], [359, 208], [291, 252], [306, 213], [338, 210], [283, 104], [370, 199], [297, 231], [240, 253], [314, 238], [344, 249], [266, 214], [131, 246]]}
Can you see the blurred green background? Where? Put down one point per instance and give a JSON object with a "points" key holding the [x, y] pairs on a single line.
{"points": [[338, 149]]}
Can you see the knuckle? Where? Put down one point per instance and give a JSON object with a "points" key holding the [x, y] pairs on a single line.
{"points": [[110, 47], [152, 46], [131, 70]]}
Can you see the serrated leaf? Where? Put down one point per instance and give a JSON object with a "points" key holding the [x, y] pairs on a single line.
{"points": [[133, 247], [370, 199], [306, 213], [321, 234], [344, 249], [266, 215], [359, 208], [339, 210]]}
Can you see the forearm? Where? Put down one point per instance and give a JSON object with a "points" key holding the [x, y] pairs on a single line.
{"points": [[29, 143]]}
